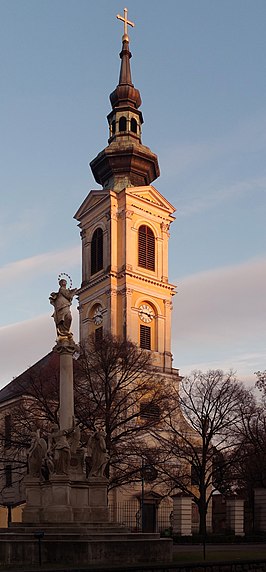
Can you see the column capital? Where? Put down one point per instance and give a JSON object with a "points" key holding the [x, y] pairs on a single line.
{"points": [[168, 304], [66, 346], [111, 292], [165, 227]]}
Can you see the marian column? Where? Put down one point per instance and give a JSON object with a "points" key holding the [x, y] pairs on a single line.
{"points": [[66, 347]]}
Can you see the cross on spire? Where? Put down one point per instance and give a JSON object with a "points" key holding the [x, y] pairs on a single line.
{"points": [[125, 20]]}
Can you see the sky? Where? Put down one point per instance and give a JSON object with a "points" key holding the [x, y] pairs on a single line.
{"points": [[200, 69]]}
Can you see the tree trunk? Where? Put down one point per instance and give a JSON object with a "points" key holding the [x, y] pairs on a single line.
{"points": [[202, 523], [202, 506]]}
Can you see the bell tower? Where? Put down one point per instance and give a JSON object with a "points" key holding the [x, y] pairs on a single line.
{"points": [[125, 231]]}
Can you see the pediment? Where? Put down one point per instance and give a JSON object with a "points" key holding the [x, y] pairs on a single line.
{"points": [[150, 195], [92, 200]]}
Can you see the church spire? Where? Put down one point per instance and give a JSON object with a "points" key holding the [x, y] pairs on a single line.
{"points": [[125, 162], [125, 55], [125, 71], [125, 94]]}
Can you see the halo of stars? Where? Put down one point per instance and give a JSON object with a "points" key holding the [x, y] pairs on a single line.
{"points": [[62, 274]]}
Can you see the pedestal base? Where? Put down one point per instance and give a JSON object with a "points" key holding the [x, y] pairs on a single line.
{"points": [[64, 500], [82, 545]]}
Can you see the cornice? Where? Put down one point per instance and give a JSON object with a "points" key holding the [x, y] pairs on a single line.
{"points": [[152, 213], [124, 274]]}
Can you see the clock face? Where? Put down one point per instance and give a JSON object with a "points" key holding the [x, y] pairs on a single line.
{"points": [[98, 316], [146, 313]]}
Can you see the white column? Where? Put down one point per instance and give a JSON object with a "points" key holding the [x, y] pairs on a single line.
{"points": [[209, 518], [235, 516], [66, 391], [260, 509], [182, 515], [66, 349]]}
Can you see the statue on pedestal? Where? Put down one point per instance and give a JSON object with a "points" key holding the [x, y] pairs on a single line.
{"points": [[58, 443], [99, 454], [36, 454], [62, 301]]}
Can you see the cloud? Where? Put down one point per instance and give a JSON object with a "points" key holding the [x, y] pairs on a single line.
{"points": [[27, 267], [219, 318], [242, 365], [229, 299], [218, 321], [24, 343]]}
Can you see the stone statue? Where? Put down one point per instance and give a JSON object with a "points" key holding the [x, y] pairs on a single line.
{"points": [[62, 301], [74, 437], [60, 446], [36, 454], [48, 468], [99, 455]]}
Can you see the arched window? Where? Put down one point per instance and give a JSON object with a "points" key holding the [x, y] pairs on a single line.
{"points": [[146, 248], [122, 124], [113, 127], [133, 125], [97, 251]]}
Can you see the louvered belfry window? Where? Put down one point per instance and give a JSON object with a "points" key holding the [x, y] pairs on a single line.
{"points": [[146, 248], [97, 251], [145, 337], [98, 333], [149, 411]]}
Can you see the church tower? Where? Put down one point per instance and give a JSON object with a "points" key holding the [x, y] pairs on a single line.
{"points": [[125, 231]]}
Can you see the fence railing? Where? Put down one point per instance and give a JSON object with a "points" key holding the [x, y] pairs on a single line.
{"points": [[128, 514]]}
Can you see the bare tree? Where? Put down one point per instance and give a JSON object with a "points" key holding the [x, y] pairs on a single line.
{"points": [[261, 383], [200, 432], [250, 468], [118, 390], [34, 406]]}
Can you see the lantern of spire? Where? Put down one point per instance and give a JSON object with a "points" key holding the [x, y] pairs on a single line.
{"points": [[125, 161]]}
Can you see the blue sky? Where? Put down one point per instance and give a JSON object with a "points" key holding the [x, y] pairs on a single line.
{"points": [[200, 68]]}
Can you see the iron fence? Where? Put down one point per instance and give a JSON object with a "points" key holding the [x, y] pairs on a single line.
{"points": [[128, 514]]}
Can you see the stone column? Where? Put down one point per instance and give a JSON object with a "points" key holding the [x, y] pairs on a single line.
{"points": [[66, 348], [235, 516], [182, 515], [260, 509]]}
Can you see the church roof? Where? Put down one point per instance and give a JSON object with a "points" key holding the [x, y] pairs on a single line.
{"points": [[22, 384]]}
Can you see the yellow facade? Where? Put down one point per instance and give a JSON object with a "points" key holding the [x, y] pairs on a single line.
{"points": [[121, 286]]}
